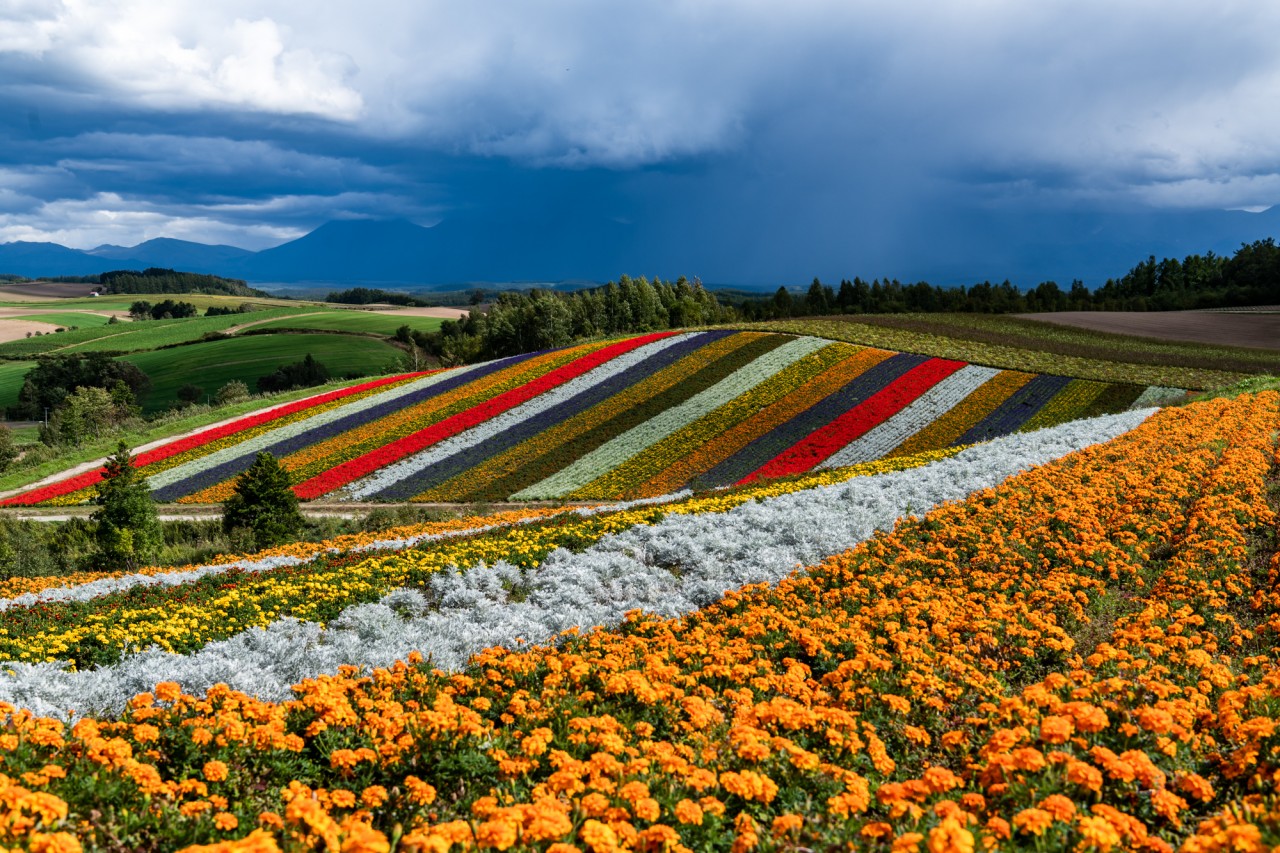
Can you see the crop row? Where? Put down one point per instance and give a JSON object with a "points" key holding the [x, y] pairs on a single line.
{"points": [[182, 611], [615, 420], [1082, 657]]}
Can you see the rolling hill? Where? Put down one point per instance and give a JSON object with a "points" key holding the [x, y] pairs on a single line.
{"points": [[630, 418]]}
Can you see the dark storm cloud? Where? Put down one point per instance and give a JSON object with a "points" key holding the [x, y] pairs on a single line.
{"points": [[737, 139]]}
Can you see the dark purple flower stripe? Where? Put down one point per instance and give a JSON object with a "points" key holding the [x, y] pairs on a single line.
{"points": [[434, 475], [1016, 411], [768, 446], [235, 467]]}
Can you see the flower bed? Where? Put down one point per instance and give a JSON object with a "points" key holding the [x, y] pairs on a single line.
{"points": [[611, 420], [1082, 657]]}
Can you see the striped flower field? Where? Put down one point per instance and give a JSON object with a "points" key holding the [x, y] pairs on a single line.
{"points": [[1062, 639], [615, 420]]}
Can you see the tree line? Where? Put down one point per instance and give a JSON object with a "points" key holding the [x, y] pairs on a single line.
{"points": [[163, 280], [527, 321], [1249, 277]]}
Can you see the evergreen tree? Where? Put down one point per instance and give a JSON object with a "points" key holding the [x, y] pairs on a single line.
{"points": [[264, 503], [127, 533], [8, 448]]}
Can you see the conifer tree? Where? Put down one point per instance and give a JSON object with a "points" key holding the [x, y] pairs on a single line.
{"points": [[126, 530], [264, 503]]}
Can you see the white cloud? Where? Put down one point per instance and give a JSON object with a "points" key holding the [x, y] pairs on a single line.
{"points": [[185, 56]]}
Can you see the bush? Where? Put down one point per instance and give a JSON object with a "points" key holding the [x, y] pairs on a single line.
{"points": [[233, 392], [300, 374], [265, 504], [190, 393]]}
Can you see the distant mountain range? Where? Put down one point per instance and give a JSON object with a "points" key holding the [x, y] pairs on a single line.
{"points": [[955, 247], [359, 251]]}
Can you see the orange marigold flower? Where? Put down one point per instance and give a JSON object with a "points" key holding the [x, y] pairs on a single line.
{"points": [[1033, 821], [1028, 758], [599, 837], [999, 828], [1056, 729], [168, 691], [215, 771], [941, 780], [373, 796], [342, 798], [1059, 806], [146, 733], [950, 837], [1155, 720], [225, 821], [876, 829], [907, 842], [646, 808], [1084, 775], [1194, 785], [687, 811], [786, 823], [54, 842], [496, 833], [420, 793], [1097, 832], [746, 837]]}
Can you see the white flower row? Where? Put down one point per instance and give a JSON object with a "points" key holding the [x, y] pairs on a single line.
{"points": [[639, 438], [927, 408], [107, 586], [462, 614], [407, 467], [271, 436]]}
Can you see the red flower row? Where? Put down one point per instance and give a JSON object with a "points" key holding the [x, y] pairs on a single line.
{"points": [[870, 413]]}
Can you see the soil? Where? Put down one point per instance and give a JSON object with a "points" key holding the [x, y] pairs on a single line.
{"points": [[16, 330], [1260, 331], [440, 312], [38, 291]]}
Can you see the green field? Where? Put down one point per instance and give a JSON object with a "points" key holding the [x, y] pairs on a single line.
{"points": [[353, 321], [212, 365], [134, 337], [11, 374]]}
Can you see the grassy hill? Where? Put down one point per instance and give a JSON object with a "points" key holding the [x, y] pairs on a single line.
{"points": [[174, 352], [213, 364]]}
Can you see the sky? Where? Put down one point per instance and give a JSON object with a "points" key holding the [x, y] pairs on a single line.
{"points": [[740, 141]]}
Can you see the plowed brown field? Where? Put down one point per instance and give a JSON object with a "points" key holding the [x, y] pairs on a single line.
{"points": [[1203, 327]]}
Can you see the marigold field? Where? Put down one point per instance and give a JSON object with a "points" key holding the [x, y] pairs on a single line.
{"points": [[633, 418], [1081, 656]]}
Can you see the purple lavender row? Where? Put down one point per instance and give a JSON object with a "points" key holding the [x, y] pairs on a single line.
{"points": [[1010, 415], [764, 448]]}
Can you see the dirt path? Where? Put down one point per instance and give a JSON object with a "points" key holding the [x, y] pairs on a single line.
{"points": [[235, 330], [1258, 330]]}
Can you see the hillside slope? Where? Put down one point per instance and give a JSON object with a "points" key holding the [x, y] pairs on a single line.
{"points": [[630, 418]]}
